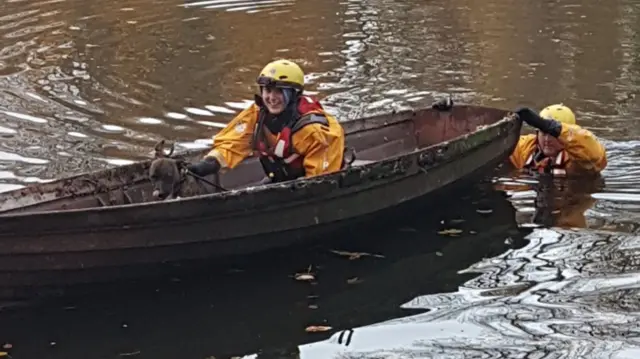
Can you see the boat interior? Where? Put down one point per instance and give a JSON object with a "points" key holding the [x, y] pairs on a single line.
{"points": [[372, 139]]}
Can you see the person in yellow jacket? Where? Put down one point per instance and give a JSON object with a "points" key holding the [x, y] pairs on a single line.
{"points": [[289, 132], [559, 146]]}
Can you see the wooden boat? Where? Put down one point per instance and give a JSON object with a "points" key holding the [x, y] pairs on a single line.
{"points": [[96, 226]]}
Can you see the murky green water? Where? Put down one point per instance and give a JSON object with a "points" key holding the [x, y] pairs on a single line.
{"points": [[88, 84]]}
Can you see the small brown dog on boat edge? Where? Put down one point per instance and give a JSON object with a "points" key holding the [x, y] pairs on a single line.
{"points": [[164, 173]]}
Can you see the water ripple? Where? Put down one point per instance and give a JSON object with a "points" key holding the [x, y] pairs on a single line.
{"points": [[240, 5], [87, 85], [103, 72], [570, 293]]}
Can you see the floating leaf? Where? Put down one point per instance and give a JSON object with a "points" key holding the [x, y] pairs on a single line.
{"points": [[305, 276], [353, 280], [473, 232], [317, 328], [130, 354], [450, 232], [313, 306], [484, 211], [439, 254], [356, 255], [7, 346]]}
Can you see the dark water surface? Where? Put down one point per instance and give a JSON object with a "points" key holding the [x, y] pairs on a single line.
{"points": [[88, 84]]}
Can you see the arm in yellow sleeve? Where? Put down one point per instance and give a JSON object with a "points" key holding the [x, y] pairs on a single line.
{"points": [[584, 149], [322, 147], [233, 143], [525, 146]]}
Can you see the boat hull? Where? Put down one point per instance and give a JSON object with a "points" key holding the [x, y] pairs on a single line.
{"points": [[70, 247]]}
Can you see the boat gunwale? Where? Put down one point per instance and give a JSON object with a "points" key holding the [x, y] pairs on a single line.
{"points": [[351, 127]]}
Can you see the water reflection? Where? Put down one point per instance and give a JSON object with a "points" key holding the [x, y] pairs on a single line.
{"points": [[547, 201], [607, 202], [566, 293], [253, 304], [84, 85], [89, 78]]}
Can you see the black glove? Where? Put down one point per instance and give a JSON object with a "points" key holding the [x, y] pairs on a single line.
{"points": [[207, 166], [444, 104], [551, 127]]}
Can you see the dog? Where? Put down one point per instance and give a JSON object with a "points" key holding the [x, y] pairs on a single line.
{"points": [[170, 179]]}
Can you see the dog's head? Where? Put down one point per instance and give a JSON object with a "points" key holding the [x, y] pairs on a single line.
{"points": [[164, 172]]}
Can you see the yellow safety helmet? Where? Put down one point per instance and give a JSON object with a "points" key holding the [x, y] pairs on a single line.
{"points": [[282, 74], [560, 113]]}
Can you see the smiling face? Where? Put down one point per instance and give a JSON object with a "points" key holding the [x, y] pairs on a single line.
{"points": [[549, 145], [273, 99]]}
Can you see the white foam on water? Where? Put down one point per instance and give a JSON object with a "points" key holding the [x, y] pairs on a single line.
{"points": [[194, 145], [77, 134], [113, 128], [239, 105], [149, 120], [37, 97], [176, 115], [7, 156], [25, 117], [7, 130], [252, 4], [116, 161], [618, 197], [219, 109], [198, 111], [213, 124]]}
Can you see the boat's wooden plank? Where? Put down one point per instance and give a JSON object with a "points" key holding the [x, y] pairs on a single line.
{"points": [[386, 150], [365, 140]]}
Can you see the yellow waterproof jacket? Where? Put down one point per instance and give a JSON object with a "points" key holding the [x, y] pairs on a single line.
{"points": [[322, 147], [583, 153]]}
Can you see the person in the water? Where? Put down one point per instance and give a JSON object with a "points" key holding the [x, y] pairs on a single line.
{"points": [[559, 146], [289, 132]]}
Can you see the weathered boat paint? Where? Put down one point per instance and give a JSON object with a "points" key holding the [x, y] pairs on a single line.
{"points": [[60, 231]]}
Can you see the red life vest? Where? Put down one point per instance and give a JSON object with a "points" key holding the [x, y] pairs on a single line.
{"points": [[555, 166], [280, 162]]}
